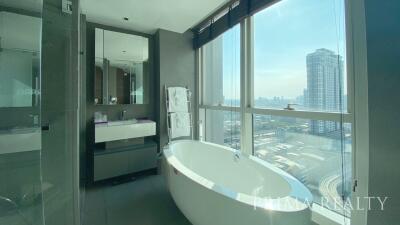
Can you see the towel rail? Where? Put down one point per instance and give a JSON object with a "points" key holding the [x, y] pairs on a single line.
{"points": [[169, 129]]}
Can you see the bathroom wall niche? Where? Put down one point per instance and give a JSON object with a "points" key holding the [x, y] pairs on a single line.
{"points": [[121, 68]]}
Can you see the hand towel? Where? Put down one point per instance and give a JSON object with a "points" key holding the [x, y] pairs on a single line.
{"points": [[180, 124], [178, 99]]}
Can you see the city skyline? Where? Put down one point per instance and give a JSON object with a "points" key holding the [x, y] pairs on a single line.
{"points": [[281, 45], [324, 90]]}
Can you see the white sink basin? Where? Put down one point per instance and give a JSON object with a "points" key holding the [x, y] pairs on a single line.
{"points": [[20, 140], [121, 122], [119, 130]]}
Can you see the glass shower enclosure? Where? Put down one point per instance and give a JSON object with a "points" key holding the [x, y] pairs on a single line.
{"points": [[20, 129], [39, 179]]}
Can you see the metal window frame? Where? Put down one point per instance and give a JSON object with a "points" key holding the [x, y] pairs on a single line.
{"points": [[247, 108], [356, 89]]}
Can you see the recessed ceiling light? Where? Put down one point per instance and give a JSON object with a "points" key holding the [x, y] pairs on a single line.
{"points": [[126, 18]]}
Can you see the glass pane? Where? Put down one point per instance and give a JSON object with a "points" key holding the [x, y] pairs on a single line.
{"points": [[299, 56], [19, 59], [312, 151], [222, 69], [223, 127], [20, 133], [99, 68]]}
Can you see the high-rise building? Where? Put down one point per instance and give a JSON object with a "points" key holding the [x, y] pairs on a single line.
{"points": [[324, 87]]}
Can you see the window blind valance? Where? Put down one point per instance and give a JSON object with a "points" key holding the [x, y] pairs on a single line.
{"points": [[226, 17]]}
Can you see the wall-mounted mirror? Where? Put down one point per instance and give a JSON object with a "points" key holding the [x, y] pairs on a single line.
{"points": [[19, 60], [121, 68]]}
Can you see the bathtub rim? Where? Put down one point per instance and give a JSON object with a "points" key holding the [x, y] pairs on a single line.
{"points": [[299, 196]]}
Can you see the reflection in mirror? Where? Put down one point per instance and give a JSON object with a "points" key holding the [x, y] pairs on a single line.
{"points": [[121, 68], [19, 60]]}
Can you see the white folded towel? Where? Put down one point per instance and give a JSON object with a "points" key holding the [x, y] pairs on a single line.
{"points": [[180, 124], [178, 99]]}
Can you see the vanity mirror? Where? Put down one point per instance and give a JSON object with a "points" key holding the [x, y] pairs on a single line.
{"points": [[121, 68]]}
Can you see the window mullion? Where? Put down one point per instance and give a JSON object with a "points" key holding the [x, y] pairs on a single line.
{"points": [[327, 116], [201, 70], [245, 85], [221, 108]]}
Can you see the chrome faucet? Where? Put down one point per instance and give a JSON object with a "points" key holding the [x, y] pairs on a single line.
{"points": [[289, 106], [123, 114], [35, 119], [237, 155]]}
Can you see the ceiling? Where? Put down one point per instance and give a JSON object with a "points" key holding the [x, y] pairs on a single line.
{"points": [[148, 15]]}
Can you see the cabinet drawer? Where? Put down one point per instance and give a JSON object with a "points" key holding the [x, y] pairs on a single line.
{"points": [[142, 159], [110, 165], [121, 161]]}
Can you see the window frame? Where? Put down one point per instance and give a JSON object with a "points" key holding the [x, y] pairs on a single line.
{"points": [[202, 107], [356, 70], [247, 107]]}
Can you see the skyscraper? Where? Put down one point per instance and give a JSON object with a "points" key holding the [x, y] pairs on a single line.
{"points": [[324, 87]]}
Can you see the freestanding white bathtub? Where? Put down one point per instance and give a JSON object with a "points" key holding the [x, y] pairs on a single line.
{"points": [[211, 186]]}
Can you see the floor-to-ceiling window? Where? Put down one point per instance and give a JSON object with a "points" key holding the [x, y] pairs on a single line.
{"points": [[299, 103], [221, 89], [303, 123]]}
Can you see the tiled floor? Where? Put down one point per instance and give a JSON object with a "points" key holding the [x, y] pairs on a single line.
{"points": [[145, 201]]}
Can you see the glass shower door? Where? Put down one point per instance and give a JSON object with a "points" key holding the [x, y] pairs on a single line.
{"points": [[21, 185]]}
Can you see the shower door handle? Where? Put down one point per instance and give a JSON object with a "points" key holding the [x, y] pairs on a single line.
{"points": [[46, 127]]}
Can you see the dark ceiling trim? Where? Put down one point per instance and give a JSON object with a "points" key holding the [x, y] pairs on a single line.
{"points": [[207, 20], [225, 18]]}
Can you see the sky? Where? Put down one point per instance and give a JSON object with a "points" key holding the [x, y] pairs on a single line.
{"points": [[284, 34]]}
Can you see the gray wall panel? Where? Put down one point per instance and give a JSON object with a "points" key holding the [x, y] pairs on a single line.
{"points": [[383, 35], [175, 66]]}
